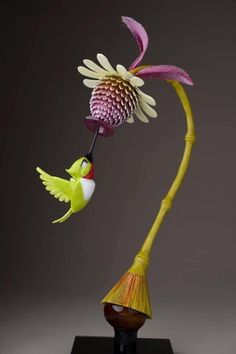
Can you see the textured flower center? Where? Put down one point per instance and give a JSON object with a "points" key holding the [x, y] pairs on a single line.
{"points": [[114, 100]]}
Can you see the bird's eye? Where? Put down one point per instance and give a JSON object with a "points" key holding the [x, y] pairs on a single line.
{"points": [[84, 163]]}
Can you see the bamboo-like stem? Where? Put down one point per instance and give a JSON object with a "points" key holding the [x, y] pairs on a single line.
{"points": [[132, 289], [144, 253]]}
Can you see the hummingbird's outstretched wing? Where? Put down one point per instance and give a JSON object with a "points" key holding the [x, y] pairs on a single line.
{"points": [[60, 188]]}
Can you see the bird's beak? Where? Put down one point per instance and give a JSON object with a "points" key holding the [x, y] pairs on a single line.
{"points": [[89, 156]]}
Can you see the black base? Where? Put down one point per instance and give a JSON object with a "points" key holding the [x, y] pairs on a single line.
{"points": [[105, 345]]}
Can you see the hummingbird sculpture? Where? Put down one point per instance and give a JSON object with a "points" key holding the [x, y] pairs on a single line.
{"points": [[78, 190]]}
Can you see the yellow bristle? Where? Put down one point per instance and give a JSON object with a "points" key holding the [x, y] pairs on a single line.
{"points": [[131, 291]]}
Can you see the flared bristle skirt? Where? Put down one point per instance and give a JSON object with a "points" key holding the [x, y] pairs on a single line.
{"points": [[131, 291]]}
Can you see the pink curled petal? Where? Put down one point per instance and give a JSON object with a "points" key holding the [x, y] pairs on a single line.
{"points": [[140, 35], [165, 72]]}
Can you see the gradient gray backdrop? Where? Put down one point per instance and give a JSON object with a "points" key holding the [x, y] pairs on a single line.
{"points": [[53, 276]]}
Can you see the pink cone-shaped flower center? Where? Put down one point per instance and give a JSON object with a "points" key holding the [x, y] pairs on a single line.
{"points": [[113, 100]]}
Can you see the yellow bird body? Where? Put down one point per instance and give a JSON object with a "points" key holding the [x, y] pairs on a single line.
{"points": [[78, 190]]}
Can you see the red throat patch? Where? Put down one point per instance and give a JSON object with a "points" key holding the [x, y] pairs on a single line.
{"points": [[90, 175]]}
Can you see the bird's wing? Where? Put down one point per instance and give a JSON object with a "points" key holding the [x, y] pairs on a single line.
{"points": [[60, 188]]}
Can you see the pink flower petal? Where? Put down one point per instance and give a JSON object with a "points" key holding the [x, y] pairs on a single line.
{"points": [[140, 35], [165, 72]]}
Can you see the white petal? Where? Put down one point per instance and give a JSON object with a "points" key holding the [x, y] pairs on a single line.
{"points": [[130, 119], [136, 81], [91, 83], [147, 109], [82, 70], [150, 100], [105, 63], [93, 66], [141, 115], [123, 72]]}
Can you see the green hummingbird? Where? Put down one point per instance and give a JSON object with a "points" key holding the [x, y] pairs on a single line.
{"points": [[78, 190]]}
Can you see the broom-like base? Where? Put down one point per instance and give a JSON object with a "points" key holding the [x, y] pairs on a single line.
{"points": [[132, 289]]}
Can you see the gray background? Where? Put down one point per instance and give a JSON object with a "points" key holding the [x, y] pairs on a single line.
{"points": [[53, 276]]}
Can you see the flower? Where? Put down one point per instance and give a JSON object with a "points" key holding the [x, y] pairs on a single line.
{"points": [[116, 95]]}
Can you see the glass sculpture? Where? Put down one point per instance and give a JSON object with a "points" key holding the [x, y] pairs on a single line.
{"points": [[117, 98]]}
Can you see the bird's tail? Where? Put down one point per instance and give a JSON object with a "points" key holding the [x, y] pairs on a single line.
{"points": [[64, 217]]}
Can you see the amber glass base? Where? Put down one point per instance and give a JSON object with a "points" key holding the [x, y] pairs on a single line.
{"points": [[123, 318], [126, 323]]}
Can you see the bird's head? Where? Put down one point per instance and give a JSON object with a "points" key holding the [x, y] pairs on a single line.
{"points": [[83, 167]]}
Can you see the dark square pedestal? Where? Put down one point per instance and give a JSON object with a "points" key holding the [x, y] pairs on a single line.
{"points": [[104, 345]]}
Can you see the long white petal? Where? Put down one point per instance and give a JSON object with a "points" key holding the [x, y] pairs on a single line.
{"points": [[150, 100], [141, 115], [123, 72], [93, 66], [91, 83], [136, 81], [147, 109], [86, 72], [105, 63], [130, 119]]}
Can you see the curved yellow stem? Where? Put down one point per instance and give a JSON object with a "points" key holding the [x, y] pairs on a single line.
{"points": [[142, 258], [132, 289]]}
